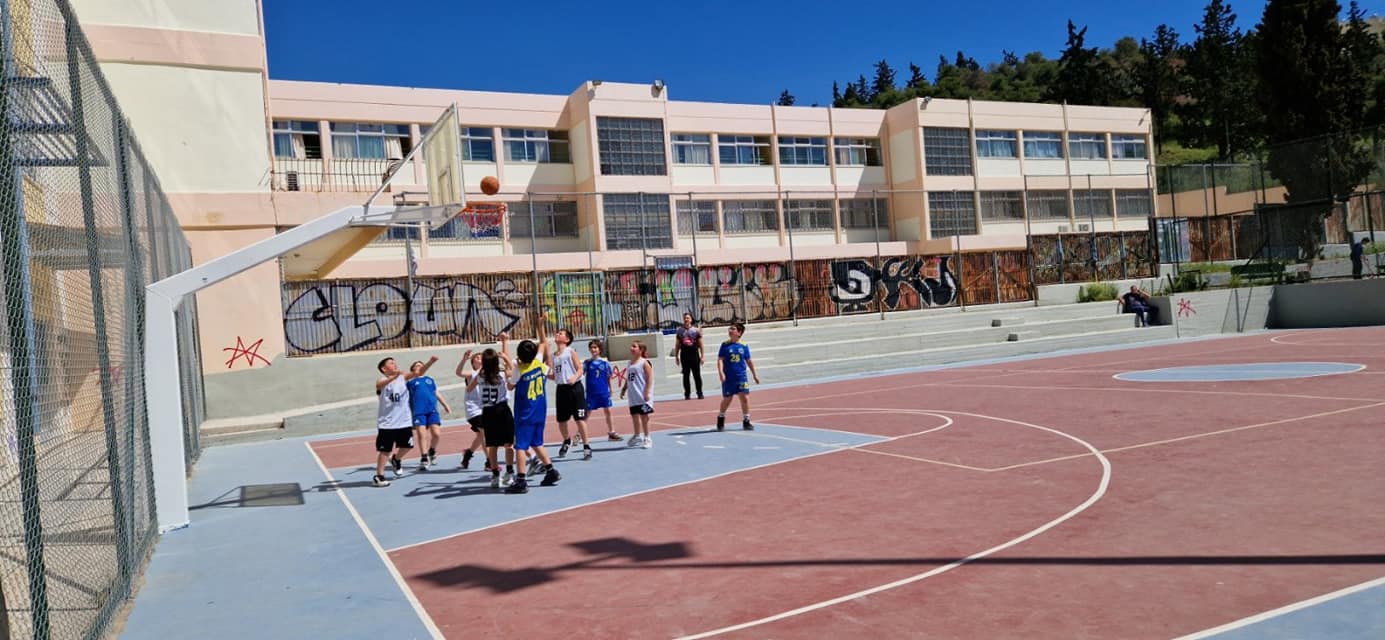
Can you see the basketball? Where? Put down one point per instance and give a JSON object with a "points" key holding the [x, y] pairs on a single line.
{"points": [[490, 186]]}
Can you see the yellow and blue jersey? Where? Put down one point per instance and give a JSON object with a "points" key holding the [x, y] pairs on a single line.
{"points": [[531, 401]]}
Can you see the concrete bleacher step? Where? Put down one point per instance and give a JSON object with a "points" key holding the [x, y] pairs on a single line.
{"points": [[1006, 322], [1016, 336]]}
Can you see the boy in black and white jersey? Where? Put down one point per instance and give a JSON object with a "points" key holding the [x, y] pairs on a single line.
{"points": [[394, 418]]}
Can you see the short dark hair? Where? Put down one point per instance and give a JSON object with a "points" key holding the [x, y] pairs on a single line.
{"points": [[381, 366], [600, 346], [740, 326], [526, 351]]}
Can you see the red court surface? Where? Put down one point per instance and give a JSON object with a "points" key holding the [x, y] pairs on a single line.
{"points": [[1039, 498]]}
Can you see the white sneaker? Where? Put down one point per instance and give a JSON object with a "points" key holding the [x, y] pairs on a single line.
{"points": [[508, 480], [634, 441], [495, 482], [647, 442], [379, 481]]}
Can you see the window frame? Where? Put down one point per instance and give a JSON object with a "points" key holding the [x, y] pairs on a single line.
{"points": [[630, 146], [988, 141], [857, 152], [288, 129], [801, 151], [552, 147], [640, 208], [1044, 138], [1124, 196], [742, 144], [685, 209], [1083, 198], [546, 218], [1036, 204], [767, 213], [817, 211], [472, 141], [1009, 198], [962, 213], [946, 155], [857, 213], [359, 132], [1089, 142], [1121, 141]]}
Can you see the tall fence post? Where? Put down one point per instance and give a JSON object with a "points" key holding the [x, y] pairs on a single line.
{"points": [[23, 348], [134, 304]]}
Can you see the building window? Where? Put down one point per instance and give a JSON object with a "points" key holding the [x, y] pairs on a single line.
{"points": [[536, 145], [699, 215], [478, 144], [631, 147], [1134, 203], [803, 151], [809, 215], [743, 150], [692, 148], [554, 219], [1087, 146], [364, 140], [637, 221], [749, 216], [947, 152], [857, 152], [1125, 147], [951, 213], [865, 213], [997, 144], [1091, 204], [1001, 205], [1048, 205], [297, 139], [1040, 145]]}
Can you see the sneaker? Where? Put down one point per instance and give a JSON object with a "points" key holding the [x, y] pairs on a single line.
{"points": [[614, 437], [520, 486], [745, 424], [432, 459], [633, 442], [721, 423], [562, 451], [646, 442], [578, 441], [687, 396], [466, 459], [551, 478], [397, 466], [487, 467], [699, 395], [379, 481], [508, 480], [535, 467], [423, 464], [495, 481], [586, 453]]}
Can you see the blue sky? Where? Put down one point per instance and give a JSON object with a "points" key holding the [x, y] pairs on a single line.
{"points": [[744, 52]]}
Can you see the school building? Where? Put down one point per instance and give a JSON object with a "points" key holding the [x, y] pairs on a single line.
{"points": [[605, 178]]}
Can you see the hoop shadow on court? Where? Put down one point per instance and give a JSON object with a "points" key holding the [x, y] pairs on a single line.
{"points": [[601, 550]]}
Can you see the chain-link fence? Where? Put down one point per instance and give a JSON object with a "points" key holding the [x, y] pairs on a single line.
{"points": [[85, 228]]}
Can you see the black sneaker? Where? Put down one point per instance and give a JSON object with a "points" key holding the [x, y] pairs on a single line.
{"points": [[745, 424], [466, 458], [587, 453], [699, 395], [379, 481], [520, 486], [562, 451], [396, 465], [721, 423], [551, 478]]}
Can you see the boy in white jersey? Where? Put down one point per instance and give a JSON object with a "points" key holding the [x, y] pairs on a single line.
{"points": [[475, 403], [639, 383], [394, 419], [572, 398]]}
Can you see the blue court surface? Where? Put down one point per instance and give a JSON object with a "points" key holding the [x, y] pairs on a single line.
{"points": [[1354, 613], [1241, 372], [211, 576]]}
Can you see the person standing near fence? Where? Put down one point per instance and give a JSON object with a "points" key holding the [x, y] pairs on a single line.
{"points": [[1358, 256], [688, 353]]}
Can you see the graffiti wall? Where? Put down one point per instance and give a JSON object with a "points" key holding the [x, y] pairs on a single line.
{"points": [[340, 316]]}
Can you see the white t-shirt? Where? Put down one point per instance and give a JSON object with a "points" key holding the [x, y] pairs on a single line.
{"points": [[394, 406], [637, 384], [563, 366], [473, 399], [492, 394]]}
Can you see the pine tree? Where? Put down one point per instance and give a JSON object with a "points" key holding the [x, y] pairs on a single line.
{"points": [[884, 79], [786, 99], [863, 91], [850, 98], [1079, 80], [836, 94], [1159, 76], [916, 79], [1219, 82]]}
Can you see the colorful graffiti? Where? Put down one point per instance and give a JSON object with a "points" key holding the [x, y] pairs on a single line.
{"points": [[356, 315]]}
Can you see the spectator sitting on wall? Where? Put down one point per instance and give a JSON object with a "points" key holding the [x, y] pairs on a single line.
{"points": [[1137, 302]]}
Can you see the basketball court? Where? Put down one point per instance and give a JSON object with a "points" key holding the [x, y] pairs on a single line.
{"points": [[1227, 487]]}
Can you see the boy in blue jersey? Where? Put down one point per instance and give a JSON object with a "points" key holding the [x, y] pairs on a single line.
{"points": [[598, 374], [531, 410], [424, 401], [732, 362]]}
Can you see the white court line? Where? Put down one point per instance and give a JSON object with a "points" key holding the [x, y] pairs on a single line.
{"points": [[1096, 495], [380, 551], [928, 460], [1275, 613], [713, 446]]}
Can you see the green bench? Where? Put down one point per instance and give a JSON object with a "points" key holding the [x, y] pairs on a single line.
{"points": [[1260, 271]]}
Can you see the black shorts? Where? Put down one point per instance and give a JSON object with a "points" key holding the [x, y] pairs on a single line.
{"points": [[387, 440], [498, 422], [475, 422], [641, 409], [572, 402]]}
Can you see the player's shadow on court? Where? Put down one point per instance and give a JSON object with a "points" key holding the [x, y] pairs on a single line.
{"points": [[446, 490], [603, 551]]}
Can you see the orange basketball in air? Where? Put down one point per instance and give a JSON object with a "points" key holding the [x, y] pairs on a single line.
{"points": [[490, 186]]}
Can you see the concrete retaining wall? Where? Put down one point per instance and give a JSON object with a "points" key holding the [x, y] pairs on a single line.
{"points": [[1348, 303]]}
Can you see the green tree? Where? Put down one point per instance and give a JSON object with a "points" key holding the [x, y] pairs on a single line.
{"points": [[1159, 78], [1079, 79], [1312, 98], [1220, 83], [884, 79], [1120, 69], [916, 79], [849, 97], [786, 99], [836, 94]]}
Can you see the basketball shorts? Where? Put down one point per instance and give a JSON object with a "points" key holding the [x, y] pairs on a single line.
{"points": [[734, 387], [528, 434], [387, 440], [498, 422], [641, 409], [427, 419], [572, 402]]}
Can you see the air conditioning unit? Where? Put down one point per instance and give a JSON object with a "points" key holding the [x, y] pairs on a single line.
{"points": [[1084, 227], [1062, 228], [291, 181]]}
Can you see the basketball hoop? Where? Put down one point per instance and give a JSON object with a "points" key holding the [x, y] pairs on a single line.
{"points": [[483, 219]]}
